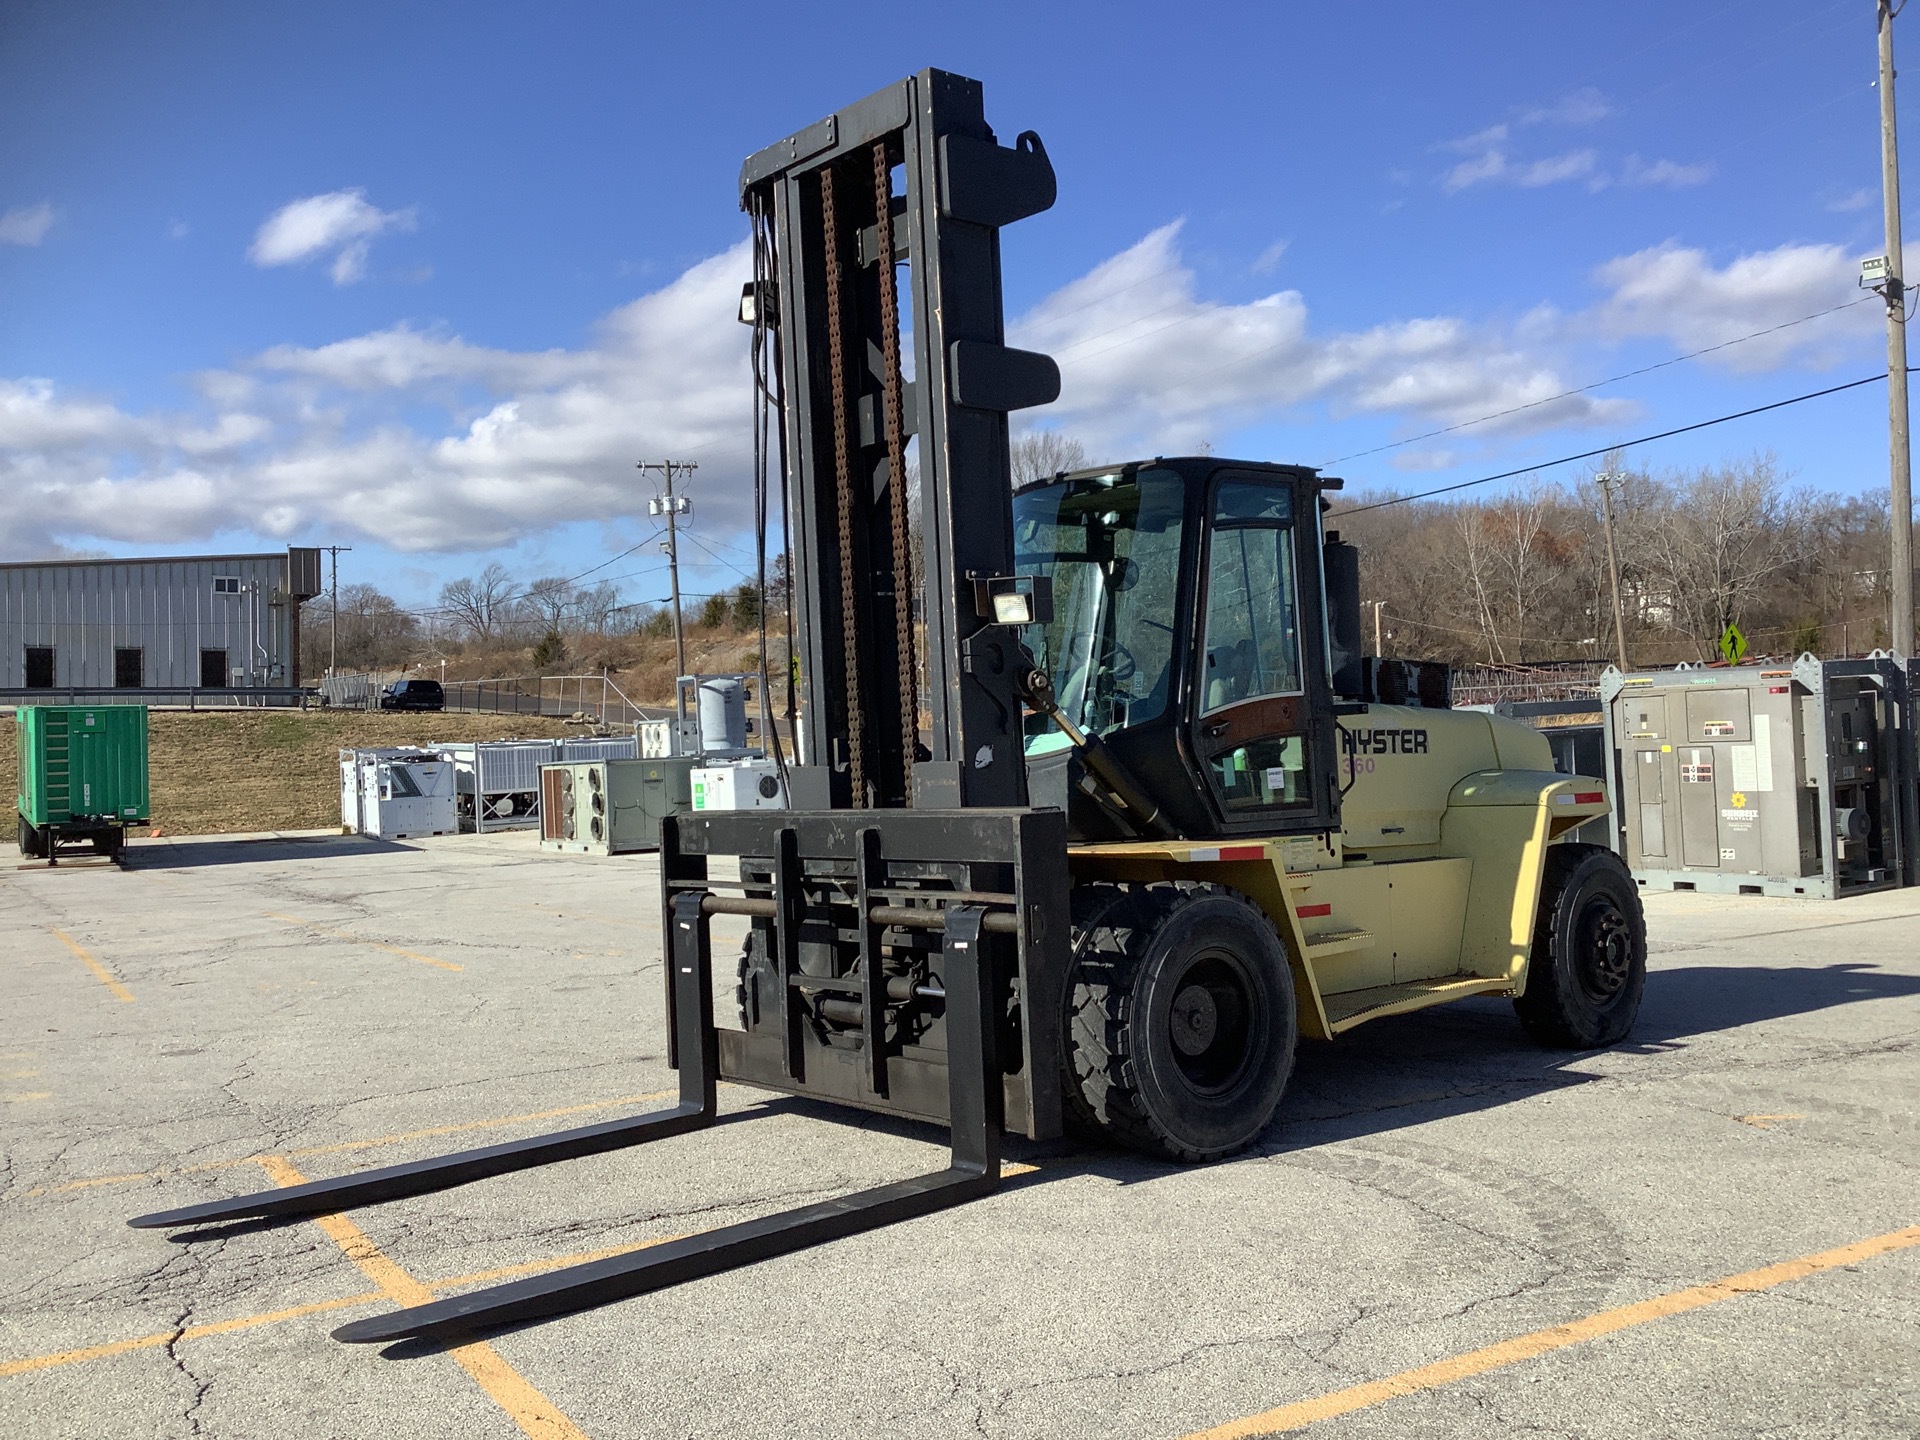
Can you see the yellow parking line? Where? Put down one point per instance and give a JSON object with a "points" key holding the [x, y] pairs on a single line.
{"points": [[100, 972], [537, 1416], [191, 1332], [1540, 1342], [319, 1307], [362, 940], [492, 1123]]}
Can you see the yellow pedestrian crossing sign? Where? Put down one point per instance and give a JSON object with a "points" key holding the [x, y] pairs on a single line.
{"points": [[1733, 645]]}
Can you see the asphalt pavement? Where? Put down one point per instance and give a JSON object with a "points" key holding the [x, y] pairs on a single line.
{"points": [[1707, 1231]]}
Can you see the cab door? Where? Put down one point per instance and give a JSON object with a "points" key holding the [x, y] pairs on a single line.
{"points": [[1253, 721]]}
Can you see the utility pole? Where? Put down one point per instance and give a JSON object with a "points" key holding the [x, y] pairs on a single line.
{"points": [[1901, 630], [1377, 605], [671, 506], [333, 608], [1606, 480]]}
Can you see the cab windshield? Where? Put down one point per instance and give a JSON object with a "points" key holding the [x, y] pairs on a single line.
{"points": [[1111, 546]]}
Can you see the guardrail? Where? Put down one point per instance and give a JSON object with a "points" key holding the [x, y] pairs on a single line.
{"points": [[184, 697]]}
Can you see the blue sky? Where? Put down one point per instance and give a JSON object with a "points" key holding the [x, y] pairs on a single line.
{"points": [[427, 280]]}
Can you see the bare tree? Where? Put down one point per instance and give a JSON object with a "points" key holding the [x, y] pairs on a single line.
{"points": [[595, 605], [479, 605], [547, 603], [1041, 453]]}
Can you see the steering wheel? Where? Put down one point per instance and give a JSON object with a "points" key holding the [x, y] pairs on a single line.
{"points": [[1110, 657]]}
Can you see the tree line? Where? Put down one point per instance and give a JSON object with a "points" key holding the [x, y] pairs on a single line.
{"points": [[1514, 579], [1521, 578], [493, 612]]}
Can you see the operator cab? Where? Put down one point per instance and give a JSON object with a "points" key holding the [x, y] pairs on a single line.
{"points": [[1189, 633]]}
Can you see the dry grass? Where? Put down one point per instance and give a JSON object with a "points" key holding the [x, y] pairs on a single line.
{"points": [[213, 772]]}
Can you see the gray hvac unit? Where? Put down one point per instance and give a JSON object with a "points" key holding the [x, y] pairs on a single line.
{"points": [[1765, 780], [498, 782], [397, 794], [611, 807]]}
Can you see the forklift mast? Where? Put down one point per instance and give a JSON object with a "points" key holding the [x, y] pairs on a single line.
{"points": [[911, 178], [910, 913]]}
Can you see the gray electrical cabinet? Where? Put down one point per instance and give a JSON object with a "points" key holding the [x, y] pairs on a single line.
{"points": [[1765, 780], [612, 807]]}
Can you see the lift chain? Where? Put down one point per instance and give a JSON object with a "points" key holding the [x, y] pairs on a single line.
{"points": [[896, 465], [835, 248]]}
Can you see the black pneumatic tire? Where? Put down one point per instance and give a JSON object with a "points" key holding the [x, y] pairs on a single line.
{"points": [[29, 839], [1181, 1026], [1589, 963]]}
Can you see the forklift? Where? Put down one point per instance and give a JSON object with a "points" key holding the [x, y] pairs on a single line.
{"points": [[1097, 805]]}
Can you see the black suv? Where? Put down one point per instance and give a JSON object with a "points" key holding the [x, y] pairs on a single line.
{"points": [[413, 695]]}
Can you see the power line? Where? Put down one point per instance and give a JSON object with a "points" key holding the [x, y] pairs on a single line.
{"points": [[1597, 384], [1615, 445]]}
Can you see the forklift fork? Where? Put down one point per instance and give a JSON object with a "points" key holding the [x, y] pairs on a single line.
{"points": [[976, 1103]]}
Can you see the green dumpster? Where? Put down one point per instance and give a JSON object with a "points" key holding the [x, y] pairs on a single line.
{"points": [[83, 775]]}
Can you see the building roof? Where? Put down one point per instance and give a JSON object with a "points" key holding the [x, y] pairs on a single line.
{"points": [[145, 559]]}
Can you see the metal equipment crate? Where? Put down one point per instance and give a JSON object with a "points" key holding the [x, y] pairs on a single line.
{"points": [[611, 807], [83, 775], [1784, 780]]}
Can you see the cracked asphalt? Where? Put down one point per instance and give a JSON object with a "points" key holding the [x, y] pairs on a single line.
{"points": [[1436, 1184]]}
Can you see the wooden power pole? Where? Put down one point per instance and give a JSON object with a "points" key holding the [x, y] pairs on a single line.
{"points": [[1900, 632], [1606, 480], [673, 506], [333, 608]]}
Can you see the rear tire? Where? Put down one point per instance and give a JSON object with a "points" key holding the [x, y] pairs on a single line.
{"points": [[1181, 1026], [1589, 963], [29, 840]]}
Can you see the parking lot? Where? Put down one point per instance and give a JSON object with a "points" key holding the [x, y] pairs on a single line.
{"points": [[1709, 1231]]}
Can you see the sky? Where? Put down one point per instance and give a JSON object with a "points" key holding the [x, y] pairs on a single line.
{"points": [[428, 280]]}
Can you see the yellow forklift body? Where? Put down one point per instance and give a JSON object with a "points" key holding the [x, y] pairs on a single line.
{"points": [[1429, 892]]}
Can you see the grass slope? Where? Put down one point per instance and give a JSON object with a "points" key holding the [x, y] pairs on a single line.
{"points": [[214, 771]]}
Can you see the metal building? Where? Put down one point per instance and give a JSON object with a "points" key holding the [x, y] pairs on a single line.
{"points": [[170, 622]]}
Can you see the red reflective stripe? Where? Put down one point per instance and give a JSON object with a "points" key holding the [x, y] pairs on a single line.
{"points": [[1308, 912], [1588, 797], [1243, 852]]}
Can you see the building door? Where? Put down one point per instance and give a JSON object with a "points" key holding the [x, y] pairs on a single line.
{"points": [[213, 669], [129, 667], [39, 667]]}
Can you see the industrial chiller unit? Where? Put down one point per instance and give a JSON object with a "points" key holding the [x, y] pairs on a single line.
{"points": [[1786, 780]]}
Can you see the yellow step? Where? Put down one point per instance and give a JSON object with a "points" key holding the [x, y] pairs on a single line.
{"points": [[1356, 1006]]}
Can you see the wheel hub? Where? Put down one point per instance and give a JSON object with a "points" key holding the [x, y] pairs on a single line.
{"points": [[1196, 1020], [1605, 950], [1210, 1023]]}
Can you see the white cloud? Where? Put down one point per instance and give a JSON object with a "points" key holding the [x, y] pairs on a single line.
{"points": [[300, 440], [1581, 107], [1857, 200], [1269, 259], [1668, 173], [430, 442], [26, 224], [1576, 165], [1146, 364], [1678, 294], [340, 223]]}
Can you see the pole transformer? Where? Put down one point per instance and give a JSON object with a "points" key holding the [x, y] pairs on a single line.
{"points": [[1900, 630]]}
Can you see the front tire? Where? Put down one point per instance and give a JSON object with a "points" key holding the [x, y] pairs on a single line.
{"points": [[1181, 1023], [1588, 969]]}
